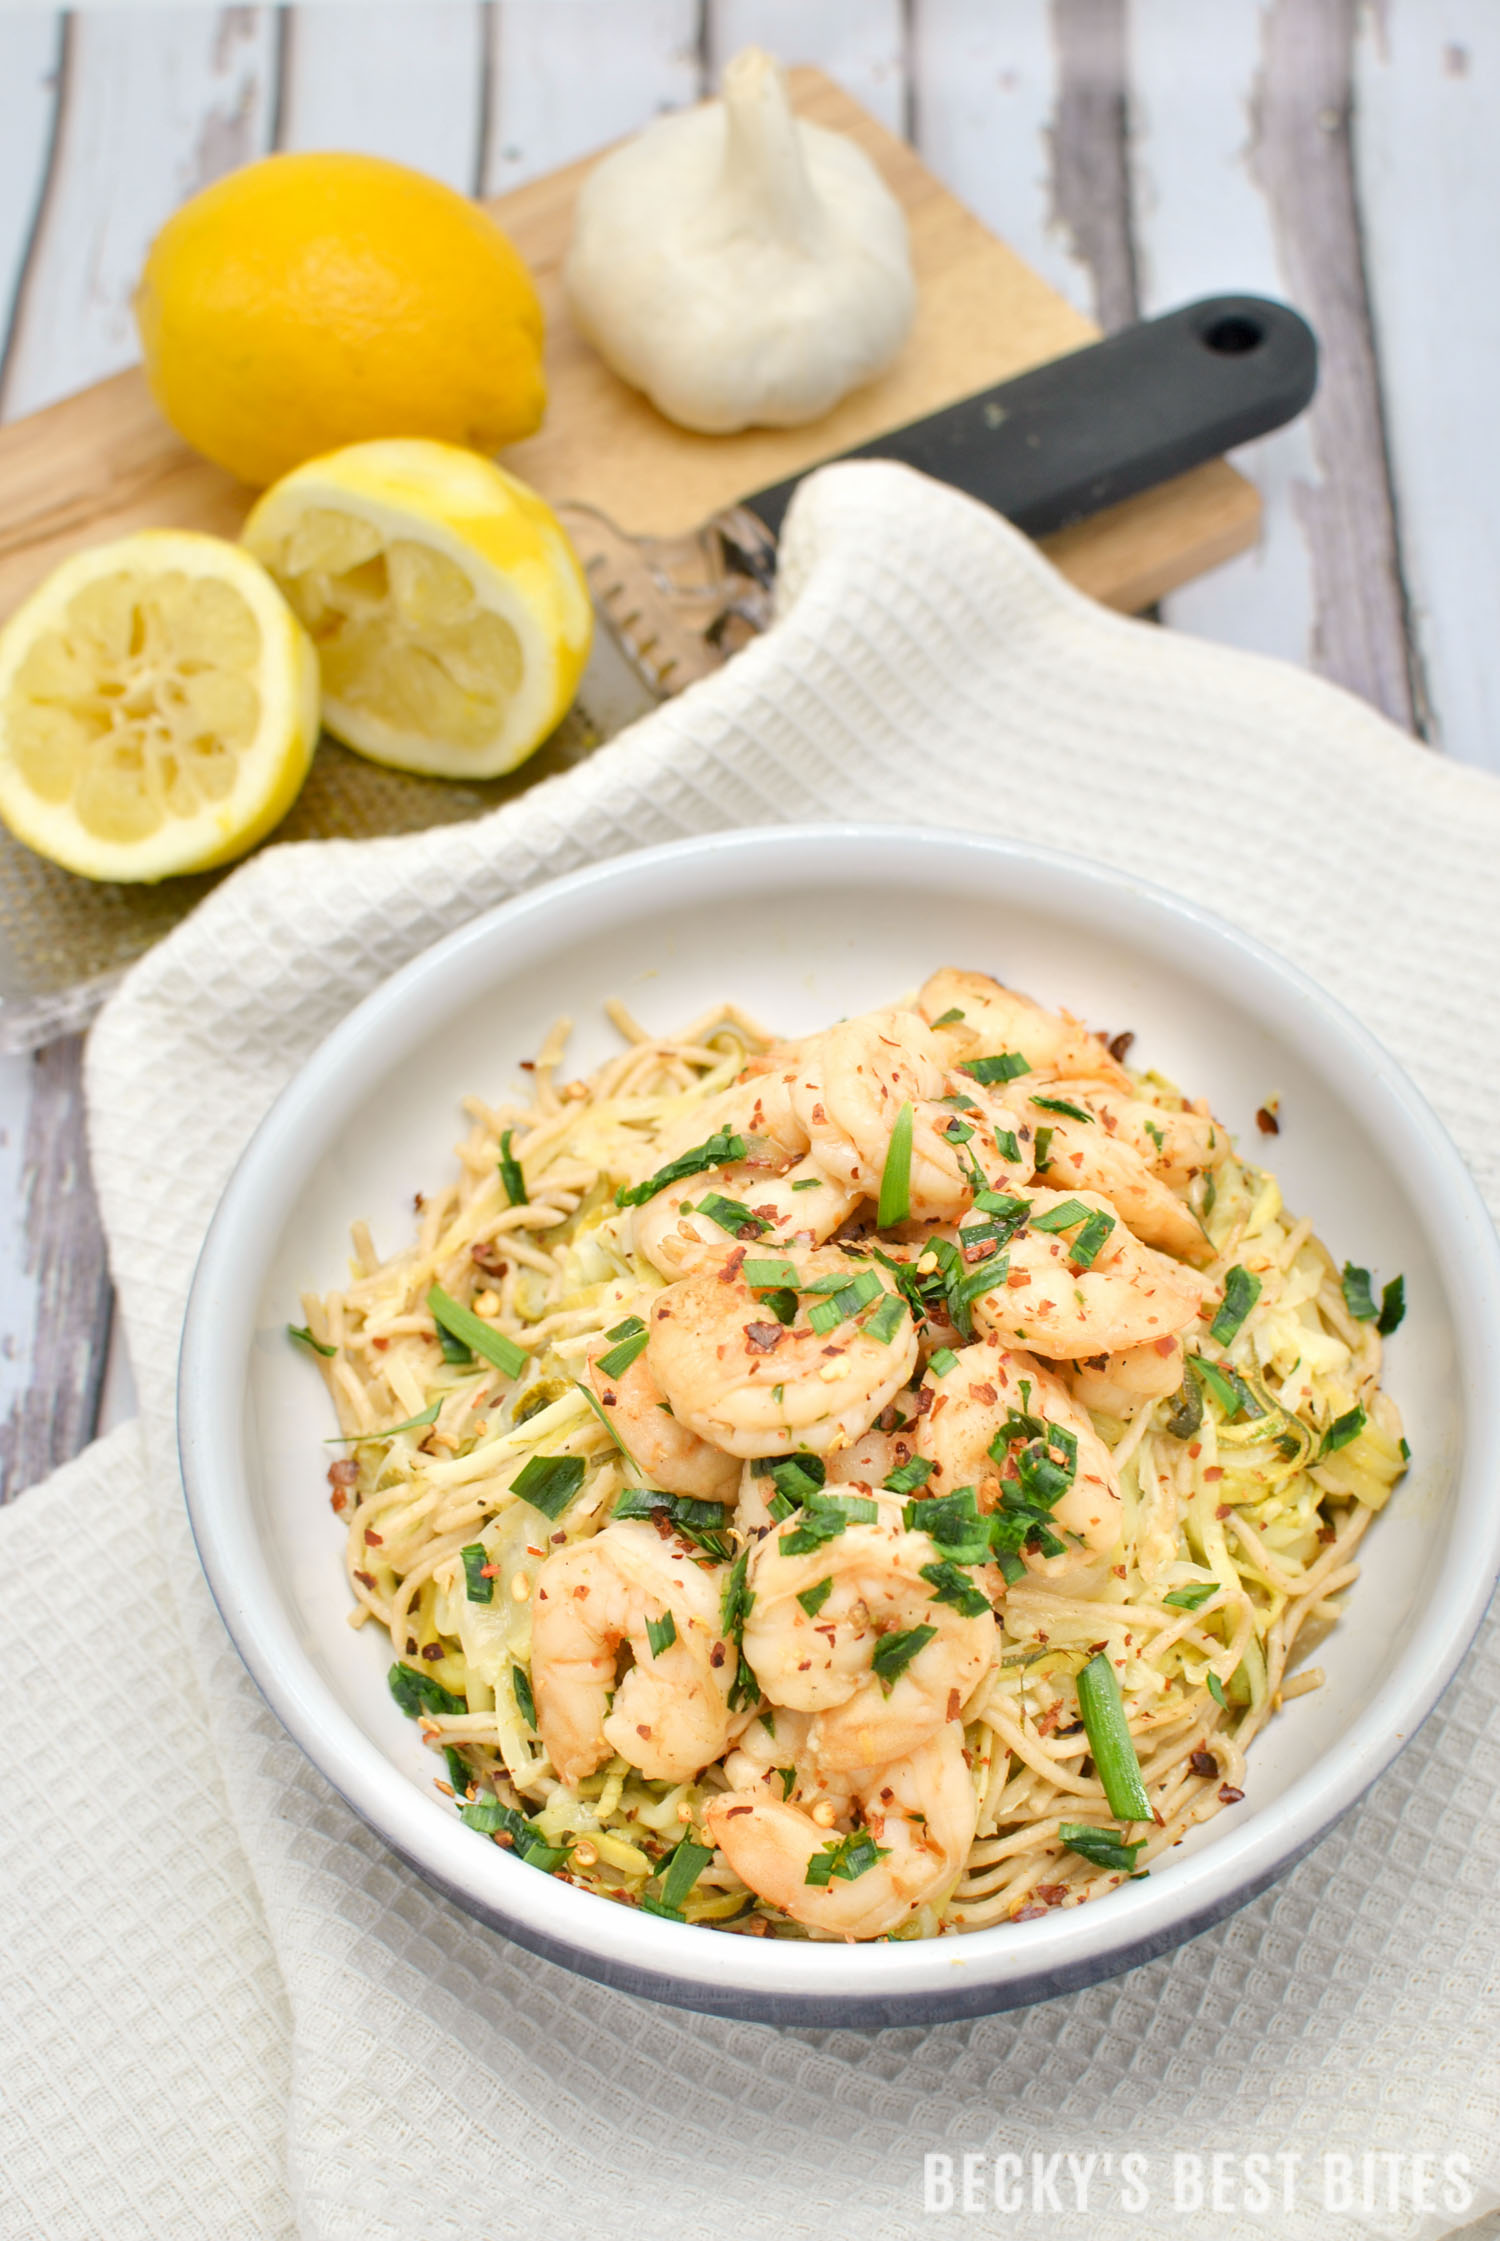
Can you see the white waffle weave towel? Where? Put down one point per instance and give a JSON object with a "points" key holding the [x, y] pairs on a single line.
{"points": [[225, 2010]]}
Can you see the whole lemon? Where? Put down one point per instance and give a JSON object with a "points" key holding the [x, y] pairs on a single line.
{"points": [[311, 301]]}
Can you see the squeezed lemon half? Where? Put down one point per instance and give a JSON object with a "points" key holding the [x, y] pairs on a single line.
{"points": [[451, 617], [158, 708]]}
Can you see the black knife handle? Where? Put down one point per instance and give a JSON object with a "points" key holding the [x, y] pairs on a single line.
{"points": [[1121, 415]]}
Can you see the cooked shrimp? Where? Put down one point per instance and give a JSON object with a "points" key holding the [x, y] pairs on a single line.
{"points": [[740, 1378], [919, 1811], [993, 1018], [865, 1585], [1083, 1151], [1129, 1295], [669, 1455], [1177, 1146], [670, 1716], [799, 1205], [1120, 1384], [988, 1384], [854, 1081]]}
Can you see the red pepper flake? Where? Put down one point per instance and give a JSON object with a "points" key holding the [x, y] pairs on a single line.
{"points": [[345, 1472], [1203, 1764], [374, 1539], [1266, 1121], [433, 1651], [716, 1656], [338, 1501], [486, 1256], [1017, 1278], [736, 1810], [1326, 1534], [1119, 1045], [763, 1338], [757, 1926], [1225, 1509], [489, 1571], [1214, 1471], [380, 1344], [417, 1202], [733, 1265], [527, 1065], [1228, 1794], [1030, 1914], [365, 1579], [954, 1702], [1196, 1450], [1051, 1894]]}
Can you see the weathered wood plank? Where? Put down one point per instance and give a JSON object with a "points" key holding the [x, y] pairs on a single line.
{"points": [[393, 78], [1302, 160], [155, 104], [984, 91], [31, 50], [1427, 168], [565, 80], [1090, 159], [1202, 226], [54, 1365], [861, 43]]}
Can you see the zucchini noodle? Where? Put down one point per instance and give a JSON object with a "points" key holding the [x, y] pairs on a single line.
{"points": [[1248, 1513]]}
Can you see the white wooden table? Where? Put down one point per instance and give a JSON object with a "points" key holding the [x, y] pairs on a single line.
{"points": [[1138, 152]]}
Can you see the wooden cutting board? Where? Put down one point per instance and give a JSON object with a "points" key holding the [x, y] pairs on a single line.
{"points": [[102, 462]]}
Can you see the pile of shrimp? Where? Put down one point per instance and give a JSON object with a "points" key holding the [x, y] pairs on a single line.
{"points": [[823, 1408]]}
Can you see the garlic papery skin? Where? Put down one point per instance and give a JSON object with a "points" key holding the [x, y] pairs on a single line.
{"points": [[742, 267]]}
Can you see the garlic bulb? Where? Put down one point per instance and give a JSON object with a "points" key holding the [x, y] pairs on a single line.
{"points": [[740, 266]]}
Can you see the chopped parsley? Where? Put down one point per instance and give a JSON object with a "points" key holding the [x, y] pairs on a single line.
{"points": [[949, 1585], [507, 1357], [894, 1652], [477, 1588], [661, 1633], [1105, 1848], [304, 1337], [716, 1151], [1342, 1430], [632, 1336], [549, 1482], [510, 1172], [812, 1599], [894, 1203], [1241, 1291], [1004, 1067], [846, 1858], [416, 1692]]}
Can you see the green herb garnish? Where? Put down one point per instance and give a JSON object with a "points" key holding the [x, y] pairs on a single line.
{"points": [[1216, 1691], [1040, 1155], [1342, 1430], [633, 1338], [464, 1324], [416, 1691], [304, 1337], [1105, 1848], [1355, 1284], [894, 1652], [1110, 1745], [949, 1585], [429, 1415], [950, 1018], [477, 1588], [1192, 1598], [824, 1517], [717, 1151], [1067, 1216], [510, 1172], [520, 1687], [846, 1302], [894, 1204], [846, 1858], [490, 1818], [460, 1773], [812, 1599], [1061, 1105], [887, 1318], [549, 1482], [1004, 1067], [761, 1275], [943, 1360], [731, 1215], [682, 1871], [702, 1523], [809, 1183], [1241, 1291], [1007, 1147], [661, 1633], [1392, 1306], [907, 1477]]}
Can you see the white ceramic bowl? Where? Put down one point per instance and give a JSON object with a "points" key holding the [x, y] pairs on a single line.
{"points": [[801, 926]]}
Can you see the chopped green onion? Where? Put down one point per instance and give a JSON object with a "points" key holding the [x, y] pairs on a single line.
{"points": [[477, 1589], [429, 1415], [1085, 1248], [1039, 1157], [549, 1482], [894, 1204], [1228, 1389], [1110, 1745], [1241, 1291], [1187, 1414], [824, 1517], [1216, 1691], [943, 1360], [809, 1183], [1061, 1105], [416, 1692], [731, 1215], [454, 1350], [1192, 1598], [949, 1585], [1156, 1136], [1392, 1306], [760, 1275], [887, 1318], [490, 1818], [304, 1336], [1105, 1848], [847, 1301], [846, 1857], [702, 1523], [634, 1339], [661, 1633], [1007, 1147], [1003, 1068], [520, 1684], [682, 1871], [602, 1413], [1342, 1430], [958, 1103], [717, 1151], [460, 1773], [796, 1476], [1067, 1216], [950, 1018], [507, 1357], [907, 1477], [812, 1599], [894, 1652], [737, 1599], [1355, 1285], [957, 1131], [788, 1776], [510, 1172], [783, 1305]]}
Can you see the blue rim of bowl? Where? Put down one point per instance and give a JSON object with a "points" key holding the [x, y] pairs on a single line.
{"points": [[794, 1981]]}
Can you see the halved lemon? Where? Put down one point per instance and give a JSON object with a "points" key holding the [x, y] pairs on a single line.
{"points": [[158, 708], [450, 614]]}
